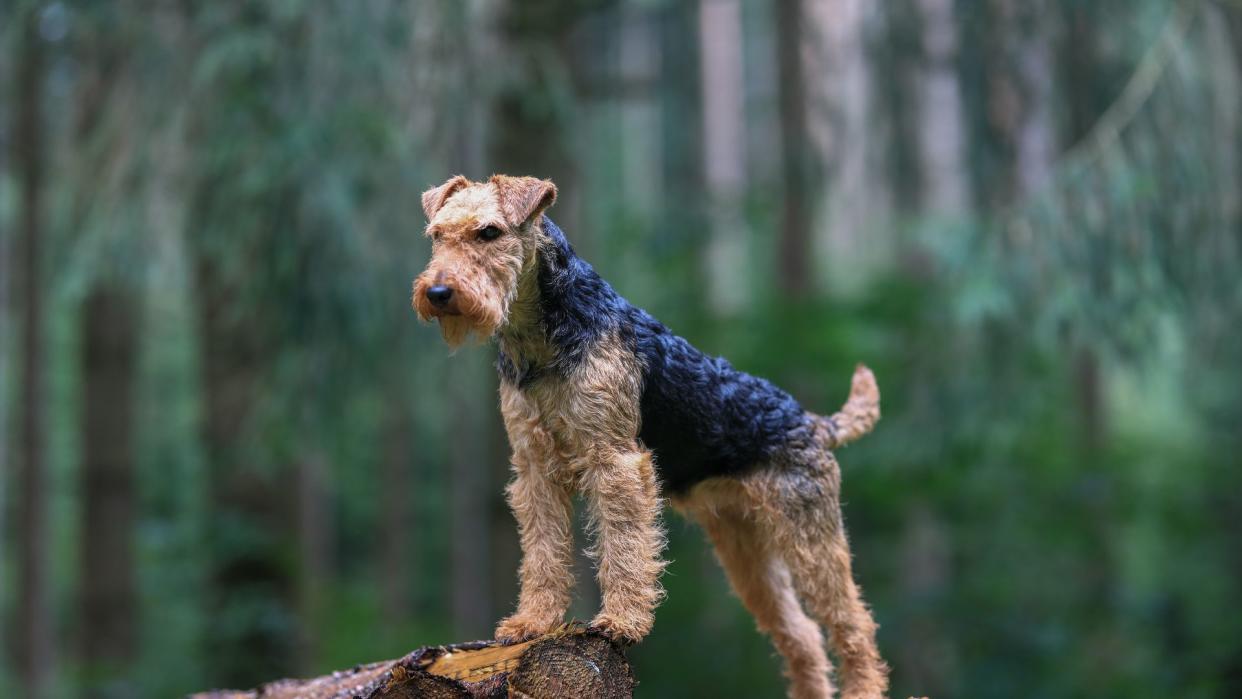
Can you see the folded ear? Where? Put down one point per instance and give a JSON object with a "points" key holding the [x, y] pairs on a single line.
{"points": [[433, 199], [523, 198]]}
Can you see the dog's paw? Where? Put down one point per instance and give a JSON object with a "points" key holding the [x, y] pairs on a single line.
{"points": [[627, 631], [518, 628]]}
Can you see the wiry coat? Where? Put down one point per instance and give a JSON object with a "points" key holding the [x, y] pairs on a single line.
{"points": [[601, 398], [700, 416]]}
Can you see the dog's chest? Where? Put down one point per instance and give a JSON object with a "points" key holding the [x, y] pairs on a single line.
{"points": [[594, 406], [554, 401]]}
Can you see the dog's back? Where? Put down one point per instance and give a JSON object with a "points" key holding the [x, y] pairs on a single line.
{"points": [[701, 417]]}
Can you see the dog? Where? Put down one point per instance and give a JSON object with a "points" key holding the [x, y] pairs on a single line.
{"points": [[600, 398]]}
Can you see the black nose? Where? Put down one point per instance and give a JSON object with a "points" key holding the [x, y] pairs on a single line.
{"points": [[439, 294]]}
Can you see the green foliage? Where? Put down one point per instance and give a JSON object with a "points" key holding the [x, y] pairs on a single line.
{"points": [[1049, 507]]}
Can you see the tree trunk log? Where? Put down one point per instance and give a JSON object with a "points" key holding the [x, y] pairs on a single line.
{"points": [[568, 663]]}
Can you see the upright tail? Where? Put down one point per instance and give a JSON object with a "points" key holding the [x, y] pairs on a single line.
{"points": [[859, 414]]}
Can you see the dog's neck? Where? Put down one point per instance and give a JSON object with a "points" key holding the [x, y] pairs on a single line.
{"points": [[559, 310], [523, 340]]}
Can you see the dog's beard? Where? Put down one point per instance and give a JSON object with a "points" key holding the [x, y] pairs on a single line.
{"points": [[459, 330], [480, 312]]}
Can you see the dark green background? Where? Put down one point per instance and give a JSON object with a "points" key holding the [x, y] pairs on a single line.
{"points": [[1024, 216]]}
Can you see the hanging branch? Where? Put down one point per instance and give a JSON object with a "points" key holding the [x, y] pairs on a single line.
{"points": [[1109, 127]]}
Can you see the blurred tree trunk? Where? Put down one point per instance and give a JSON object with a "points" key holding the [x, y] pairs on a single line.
{"points": [[793, 252], [897, 88], [397, 527], [8, 268], [107, 635], [927, 655], [1233, 38], [724, 152], [107, 612], [1233, 18], [32, 636], [1037, 146], [1086, 92], [1224, 29], [1092, 409], [678, 157], [315, 527], [1020, 96], [943, 157], [1087, 100], [248, 508], [842, 126], [1078, 68], [639, 60], [236, 229], [941, 132]]}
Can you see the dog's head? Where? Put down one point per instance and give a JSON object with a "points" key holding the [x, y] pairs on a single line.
{"points": [[484, 242]]}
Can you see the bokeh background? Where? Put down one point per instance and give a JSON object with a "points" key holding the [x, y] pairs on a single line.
{"points": [[232, 454]]}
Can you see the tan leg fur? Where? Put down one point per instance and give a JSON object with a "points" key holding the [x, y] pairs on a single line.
{"points": [[625, 511], [790, 514], [762, 581], [579, 433]]}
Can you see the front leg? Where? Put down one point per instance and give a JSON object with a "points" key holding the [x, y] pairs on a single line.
{"points": [[544, 515], [625, 508]]}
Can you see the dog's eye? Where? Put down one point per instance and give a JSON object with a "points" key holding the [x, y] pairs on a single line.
{"points": [[489, 233]]}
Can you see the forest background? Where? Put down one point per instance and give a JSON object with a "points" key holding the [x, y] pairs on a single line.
{"points": [[231, 453]]}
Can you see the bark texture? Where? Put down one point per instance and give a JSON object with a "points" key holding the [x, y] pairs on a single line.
{"points": [[568, 663]]}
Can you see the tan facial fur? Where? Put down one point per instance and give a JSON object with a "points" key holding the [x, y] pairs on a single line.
{"points": [[483, 274]]}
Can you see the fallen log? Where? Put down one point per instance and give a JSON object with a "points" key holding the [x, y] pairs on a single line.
{"points": [[568, 663]]}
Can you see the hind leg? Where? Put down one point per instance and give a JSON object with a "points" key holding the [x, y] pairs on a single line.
{"points": [[807, 531], [823, 579], [763, 583]]}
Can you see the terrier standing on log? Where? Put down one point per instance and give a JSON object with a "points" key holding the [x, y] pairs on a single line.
{"points": [[600, 398]]}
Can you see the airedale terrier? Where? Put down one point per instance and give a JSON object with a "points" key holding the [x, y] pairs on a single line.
{"points": [[602, 399]]}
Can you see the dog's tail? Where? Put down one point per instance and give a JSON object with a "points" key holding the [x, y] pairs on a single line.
{"points": [[859, 414]]}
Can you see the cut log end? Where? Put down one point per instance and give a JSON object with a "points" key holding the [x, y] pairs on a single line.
{"points": [[569, 662]]}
